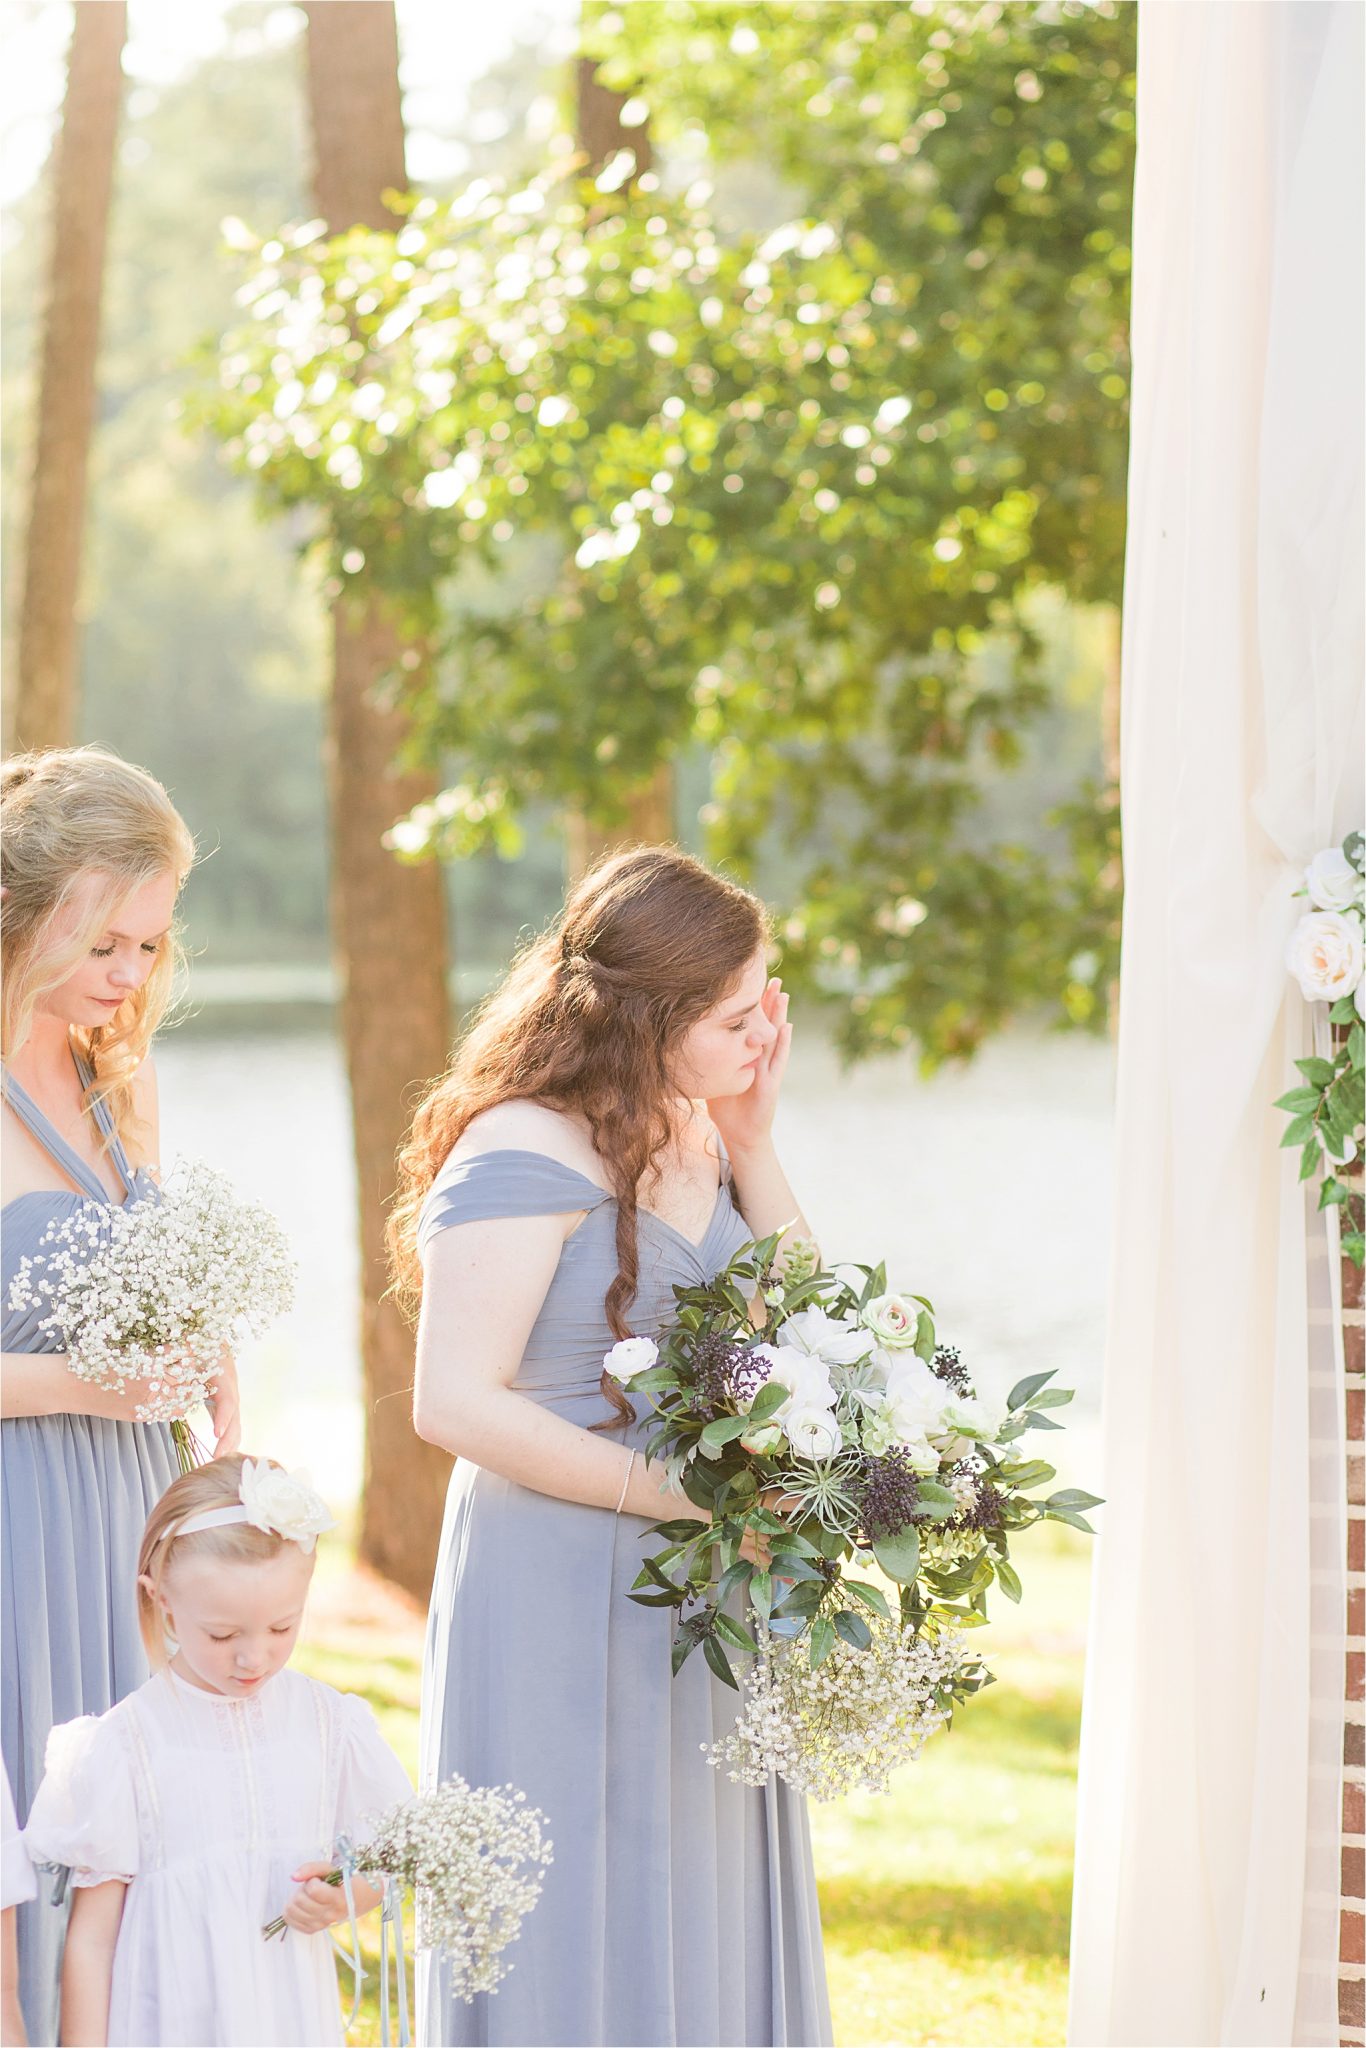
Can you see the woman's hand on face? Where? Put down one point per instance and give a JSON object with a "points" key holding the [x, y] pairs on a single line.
{"points": [[225, 1407], [745, 1121]]}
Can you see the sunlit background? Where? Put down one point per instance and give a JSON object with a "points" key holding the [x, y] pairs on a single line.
{"points": [[984, 1181]]}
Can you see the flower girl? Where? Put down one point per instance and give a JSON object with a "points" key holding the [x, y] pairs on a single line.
{"points": [[210, 1800]]}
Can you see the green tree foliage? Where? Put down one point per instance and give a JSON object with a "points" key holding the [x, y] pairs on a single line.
{"points": [[647, 482]]}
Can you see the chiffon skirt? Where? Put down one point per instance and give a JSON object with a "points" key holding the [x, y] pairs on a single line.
{"points": [[680, 1907]]}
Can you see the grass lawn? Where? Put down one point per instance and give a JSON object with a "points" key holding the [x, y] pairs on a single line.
{"points": [[946, 1903]]}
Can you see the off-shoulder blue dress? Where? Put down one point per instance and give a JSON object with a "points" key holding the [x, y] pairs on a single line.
{"points": [[76, 1494], [680, 1907]]}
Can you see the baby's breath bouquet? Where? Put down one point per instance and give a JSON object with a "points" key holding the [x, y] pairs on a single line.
{"points": [[784, 1383], [158, 1290], [475, 1858]]}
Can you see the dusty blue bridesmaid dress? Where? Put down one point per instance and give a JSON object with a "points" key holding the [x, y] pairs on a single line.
{"points": [[76, 1493], [680, 1908]]}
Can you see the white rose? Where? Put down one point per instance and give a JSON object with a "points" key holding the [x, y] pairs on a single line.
{"points": [[892, 1318], [807, 1379], [825, 1336], [629, 1357], [916, 1394], [965, 1415], [1325, 955], [1333, 883], [812, 1431], [760, 1441], [284, 1503], [921, 1455]]}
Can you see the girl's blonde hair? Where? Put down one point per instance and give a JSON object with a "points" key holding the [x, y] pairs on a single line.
{"points": [[67, 813], [215, 1485]]}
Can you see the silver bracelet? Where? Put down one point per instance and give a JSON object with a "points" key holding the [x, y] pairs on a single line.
{"points": [[630, 1464]]}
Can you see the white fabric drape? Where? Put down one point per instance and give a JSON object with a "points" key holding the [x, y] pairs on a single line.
{"points": [[1206, 1856]]}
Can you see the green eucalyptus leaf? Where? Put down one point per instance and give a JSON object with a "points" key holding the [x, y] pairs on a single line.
{"points": [[822, 1641], [853, 1629], [719, 1662], [899, 1556], [1025, 1389]]}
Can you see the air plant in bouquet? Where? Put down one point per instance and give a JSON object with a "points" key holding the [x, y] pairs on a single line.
{"points": [[785, 1384]]}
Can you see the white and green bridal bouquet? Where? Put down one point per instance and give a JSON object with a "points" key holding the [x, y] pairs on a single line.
{"points": [[474, 1859], [159, 1289], [1325, 955], [790, 1384]]}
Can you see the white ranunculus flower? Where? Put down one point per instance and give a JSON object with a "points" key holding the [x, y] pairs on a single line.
{"points": [[1325, 954], [812, 1431], [630, 1357], [1333, 883], [806, 1378], [284, 1503], [892, 1318], [826, 1336]]}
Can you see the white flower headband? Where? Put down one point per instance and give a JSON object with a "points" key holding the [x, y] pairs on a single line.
{"points": [[282, 1503]]}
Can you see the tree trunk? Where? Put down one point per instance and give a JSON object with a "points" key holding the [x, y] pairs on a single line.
{"points": [[649, 820], [650, 808], [388, 921], [83, 176], [598, 121]]}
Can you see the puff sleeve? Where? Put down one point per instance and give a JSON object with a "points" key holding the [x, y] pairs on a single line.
{"points": [[371, 1781], [85, 1813]]}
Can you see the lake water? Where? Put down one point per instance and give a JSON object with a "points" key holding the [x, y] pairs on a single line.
{"points": [[986, 1188]]}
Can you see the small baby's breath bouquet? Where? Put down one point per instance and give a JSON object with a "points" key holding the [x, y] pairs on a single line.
{"points": [[159, 1289], [851, 1721], [474, 1857]]}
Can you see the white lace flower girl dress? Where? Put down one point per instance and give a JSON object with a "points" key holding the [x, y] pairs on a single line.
{"points": [[205, 1805]]}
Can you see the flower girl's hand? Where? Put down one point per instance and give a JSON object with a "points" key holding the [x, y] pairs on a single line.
{"points": [[318, 1905]]}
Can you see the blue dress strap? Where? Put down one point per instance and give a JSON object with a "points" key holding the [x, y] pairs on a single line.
{"points": [[77, 1170], [508, 1183], [104, 1118]]}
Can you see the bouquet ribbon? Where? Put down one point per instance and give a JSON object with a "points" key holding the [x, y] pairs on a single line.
{"points": [[391, 1921]]}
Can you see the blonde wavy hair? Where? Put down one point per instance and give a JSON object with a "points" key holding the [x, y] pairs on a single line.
{"points": [[66, 814], [215, 1485]]}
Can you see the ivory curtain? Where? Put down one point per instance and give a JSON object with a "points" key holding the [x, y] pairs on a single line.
{"points": [[1206, 1884]]}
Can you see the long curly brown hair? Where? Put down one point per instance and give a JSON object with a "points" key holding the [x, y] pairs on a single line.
{"points": [[588, 1020]]}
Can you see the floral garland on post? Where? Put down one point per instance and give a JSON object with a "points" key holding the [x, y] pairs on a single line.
{"points": [[1325, 955]]}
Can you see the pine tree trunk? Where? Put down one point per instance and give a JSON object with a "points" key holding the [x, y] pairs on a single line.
{"points": [[649, 808], [45, 702], [388, 921]]}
